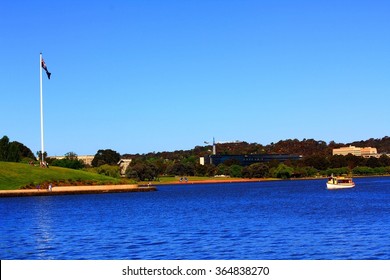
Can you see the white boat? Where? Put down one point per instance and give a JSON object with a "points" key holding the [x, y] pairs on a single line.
{"points": [[336, 182]]}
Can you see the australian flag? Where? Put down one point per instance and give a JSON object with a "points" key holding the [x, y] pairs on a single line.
{"points": [[45, 68]]}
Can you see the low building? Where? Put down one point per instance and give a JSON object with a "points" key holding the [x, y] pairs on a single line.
{"points": [[86, 159], [343, 151], [356, 151], [370, 152]]}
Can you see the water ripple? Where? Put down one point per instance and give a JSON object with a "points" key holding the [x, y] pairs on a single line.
{"points": [[271, 220]]}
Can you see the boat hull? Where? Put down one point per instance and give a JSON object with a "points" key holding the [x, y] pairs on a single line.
{"points": [[331, 186]]}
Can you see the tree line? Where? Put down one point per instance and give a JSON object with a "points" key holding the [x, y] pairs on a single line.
{"points": [[14, 151], [152, 168], [317, 160]]}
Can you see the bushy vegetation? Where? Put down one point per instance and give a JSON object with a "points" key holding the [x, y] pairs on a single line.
{"points": [[317, 161], [107, 170], [14, 151], [305, 147], [107, 156], [69, 161], [310, 167]]}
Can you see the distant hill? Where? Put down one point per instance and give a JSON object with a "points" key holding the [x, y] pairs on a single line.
{"points": [[17, 175], [305, 147], [382, 145]]}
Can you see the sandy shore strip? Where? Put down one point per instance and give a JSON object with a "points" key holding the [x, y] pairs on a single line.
{"points": [[67, 190]]}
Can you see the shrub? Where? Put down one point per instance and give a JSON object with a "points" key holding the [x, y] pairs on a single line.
{"points": [[109, 170], [235, 171], [338, 171], [283, 171], [363, 170]]}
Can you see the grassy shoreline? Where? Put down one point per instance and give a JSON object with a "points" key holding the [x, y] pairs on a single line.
{"points": [[14, 176], [20, 175]]}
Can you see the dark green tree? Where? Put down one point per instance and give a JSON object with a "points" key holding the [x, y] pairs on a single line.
{"points": [[109, 170], [14, 154], [305, 171], [14, 151], [4, 146], [69, 161], [200, 170], [317, 162], [283, 171], [354, 161], [142, 171], [107, 156], [384, 160], [204, 170], [235, 171], [338, 171], [337, 161], [24, 151], [363, 170], [256, 170], [158, 163], [181, 169], [222, 169], [373, 162]]}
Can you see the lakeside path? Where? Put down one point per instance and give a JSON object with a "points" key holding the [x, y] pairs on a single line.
{"points": [[68, 190]]}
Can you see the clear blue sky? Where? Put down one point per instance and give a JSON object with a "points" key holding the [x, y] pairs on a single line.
{"points": [[144, 76]]}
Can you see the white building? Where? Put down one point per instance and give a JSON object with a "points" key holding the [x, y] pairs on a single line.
{"points": [[357, 151], [86, 159]]}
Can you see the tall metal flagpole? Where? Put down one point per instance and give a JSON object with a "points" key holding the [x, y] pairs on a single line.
{"points": [[40, 87]]}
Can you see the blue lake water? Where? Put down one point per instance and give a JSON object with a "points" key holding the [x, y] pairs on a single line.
{"points": [[265, 220]]}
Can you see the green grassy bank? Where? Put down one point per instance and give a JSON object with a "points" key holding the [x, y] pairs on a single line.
{"points": [[18, 175]]}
